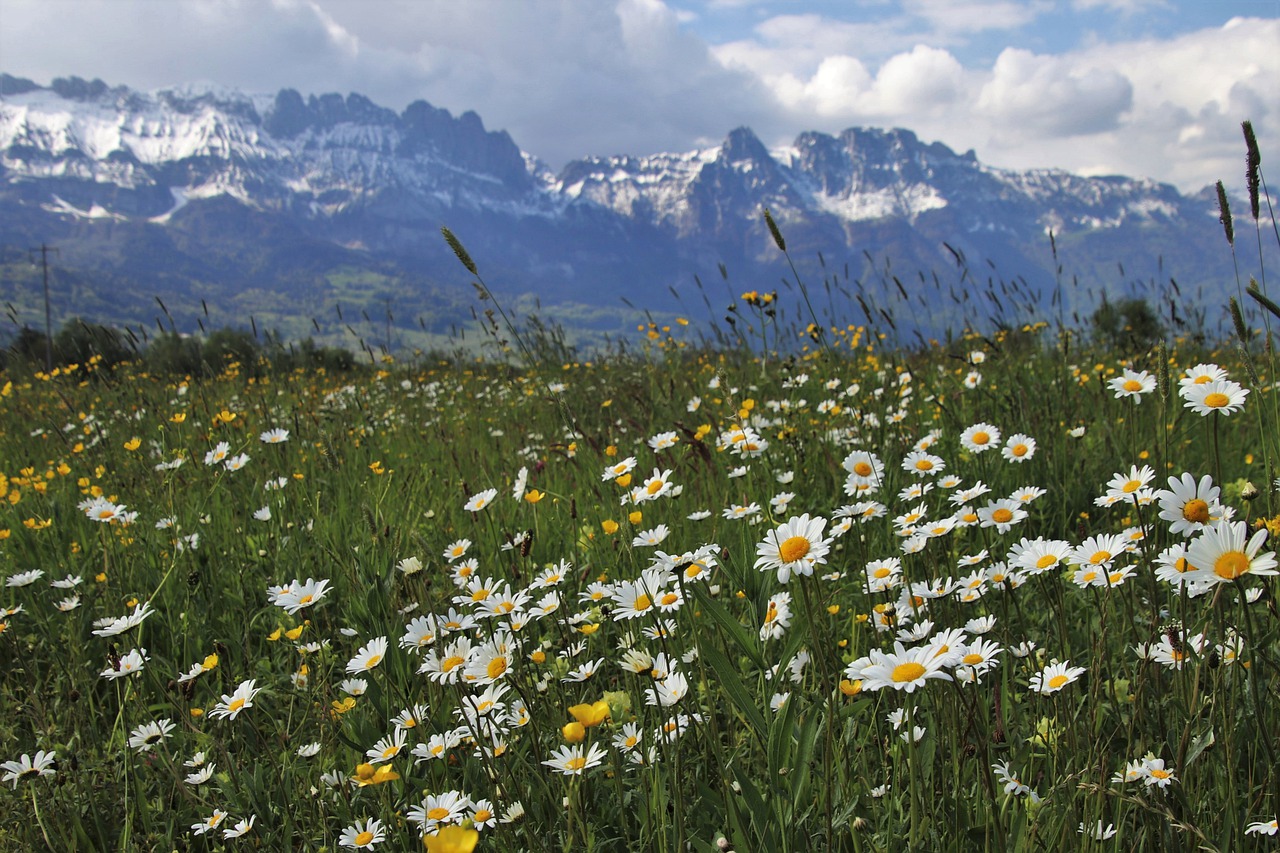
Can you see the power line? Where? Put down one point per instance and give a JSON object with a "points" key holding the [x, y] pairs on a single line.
{"points": [[44, 251]]}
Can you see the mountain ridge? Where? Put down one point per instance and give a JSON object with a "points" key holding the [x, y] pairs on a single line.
{"points": [[365, 189]]}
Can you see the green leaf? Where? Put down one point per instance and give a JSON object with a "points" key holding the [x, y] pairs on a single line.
{"points": [[732, 685], [732, 627]]}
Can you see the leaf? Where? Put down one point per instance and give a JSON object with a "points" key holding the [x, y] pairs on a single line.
{"points": [[737, 692], [738, 634], [1199, 744]]}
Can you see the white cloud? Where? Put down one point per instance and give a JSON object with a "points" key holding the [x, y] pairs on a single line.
{"points": [[631, 76]]}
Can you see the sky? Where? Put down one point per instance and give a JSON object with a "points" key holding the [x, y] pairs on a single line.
{"points": [[1148, 88]]}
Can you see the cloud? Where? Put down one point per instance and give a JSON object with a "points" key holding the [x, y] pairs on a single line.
{"points": [[632, 76], [1037, 96]]}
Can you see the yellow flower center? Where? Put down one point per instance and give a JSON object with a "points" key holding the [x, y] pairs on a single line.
{"points": [[980, 438], [438, 813], [235, 705], [793, 549], [1088, 577], [1160, 773], [305, 600], [1231, 565], [373, 661], [451, 663], [1046, 561], [576, 763], [863, 469], [670, 598], [1131, 486], [480, 595], [1100, 556], [1002, 516], [882, 573], [643, 602], [972, 658], [924, 465], [1196, 511], [910, 671], [1057, 681], [496, 667], [390, 751], [1216, 400], [654, 487], [1019, 450]]}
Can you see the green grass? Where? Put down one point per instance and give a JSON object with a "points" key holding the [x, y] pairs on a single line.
{"points": [[378, 468]]}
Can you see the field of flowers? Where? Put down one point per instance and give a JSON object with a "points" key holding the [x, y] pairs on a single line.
{"points": [[976, 596], [1012, 591]]}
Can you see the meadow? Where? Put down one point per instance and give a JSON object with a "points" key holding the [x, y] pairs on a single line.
{"points": [[1013, 590]]}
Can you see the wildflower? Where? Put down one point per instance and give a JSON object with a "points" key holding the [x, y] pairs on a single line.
{"points": [[439, 809], [1098, 551], [1098, 832], [979, 438], [243, 827], [667, 692], [1155, 773], [903, 669], [364, 834], [210, 823], [663, 440], [1131, 383], [387, 748], [1220, 395], [454, 839], [298, 596], [1002, 515], [1221, 554], [795, 546], [1122, 486], [112, 627], [480, 500], [233, 703], [201, 776], [274, 436], [147, 735], [922, 464], [1188, 505], [24, 578], [777, 617], [27, 767], [1006, 776], [574, 760], [131, 663], [218, 454], [1262, 827], [1055, 676], [651, 538], [369, 656]]}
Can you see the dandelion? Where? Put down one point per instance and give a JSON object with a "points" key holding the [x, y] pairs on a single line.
{"points": [[1055, 676], [27, 767], [795, 546]]}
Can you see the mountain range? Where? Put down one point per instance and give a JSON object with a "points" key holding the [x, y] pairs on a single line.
{"points": [[321, 215]]}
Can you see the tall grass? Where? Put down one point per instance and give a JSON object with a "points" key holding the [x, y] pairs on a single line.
{"points": [[606, 651]]}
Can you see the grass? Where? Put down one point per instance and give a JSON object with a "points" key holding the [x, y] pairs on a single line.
{"points": [[615, 606]]}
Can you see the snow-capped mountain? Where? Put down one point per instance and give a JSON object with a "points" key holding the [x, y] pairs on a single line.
{"points": [[283, 205]]}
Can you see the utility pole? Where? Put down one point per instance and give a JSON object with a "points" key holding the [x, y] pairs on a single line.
{"points": [[44, 251]]}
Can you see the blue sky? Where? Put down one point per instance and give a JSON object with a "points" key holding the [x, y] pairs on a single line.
{"points": [[1151, 88]]}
